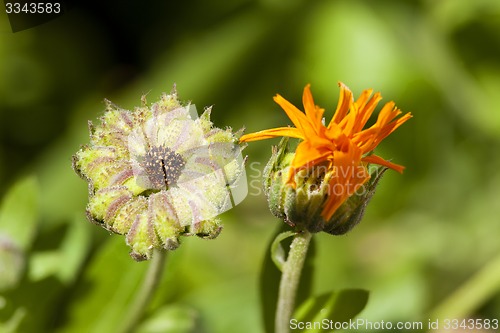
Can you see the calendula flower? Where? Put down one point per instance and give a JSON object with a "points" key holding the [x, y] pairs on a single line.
{"points": [[332, 160], [159, 173]]}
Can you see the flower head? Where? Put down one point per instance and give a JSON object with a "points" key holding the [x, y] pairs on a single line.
{"points": [[158, 173], [342, 149]]}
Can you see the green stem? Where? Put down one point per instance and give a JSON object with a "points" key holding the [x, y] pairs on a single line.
{"points": [[472, 294], [290, 278], [145, 292]]}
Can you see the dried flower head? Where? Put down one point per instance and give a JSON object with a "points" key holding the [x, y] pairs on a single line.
{"points": [[160, 172], [330, 165]]}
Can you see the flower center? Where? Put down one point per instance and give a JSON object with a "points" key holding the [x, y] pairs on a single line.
{"points": [[163, 167]]}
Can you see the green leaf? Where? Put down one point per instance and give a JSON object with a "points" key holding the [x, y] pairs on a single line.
{"points": [[34, 307], [269, 286], [335, 306], [75, 248], [12, 262], [271, 275], [171, 318], [65, 261], [43, 264], [19, 211], [277, 252], [108, 284], [18, 223], [12, 325]]}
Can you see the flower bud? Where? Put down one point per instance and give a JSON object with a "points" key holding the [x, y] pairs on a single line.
{"points": [[301, 205]]}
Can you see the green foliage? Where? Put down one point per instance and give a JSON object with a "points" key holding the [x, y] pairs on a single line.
{"points": [[19, 213], [277, 252], [113, 279], [18, 225], [334, 306], [175, 319]]}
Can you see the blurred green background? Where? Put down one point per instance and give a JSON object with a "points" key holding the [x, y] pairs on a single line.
{"points": [[425, 233]]}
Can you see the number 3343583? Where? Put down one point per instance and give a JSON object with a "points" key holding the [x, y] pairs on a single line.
{"points": [[32, 8]]}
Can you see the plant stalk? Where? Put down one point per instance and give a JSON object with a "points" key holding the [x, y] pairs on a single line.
{"points": [[472, 294], [290, 279], [144, 294]]}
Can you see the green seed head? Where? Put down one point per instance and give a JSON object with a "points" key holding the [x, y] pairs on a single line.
{"points": [[160, 172]]}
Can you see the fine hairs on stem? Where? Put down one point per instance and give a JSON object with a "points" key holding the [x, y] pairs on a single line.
{"points": [[143, 296], [290, 278]]}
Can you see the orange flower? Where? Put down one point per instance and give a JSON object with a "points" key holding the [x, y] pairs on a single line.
{"points": [[344, 146]]}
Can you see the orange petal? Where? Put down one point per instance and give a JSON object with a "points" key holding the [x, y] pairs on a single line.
{"points": [[391, 127], [376, 134], [349, 176], [306, 156], [374, 159], [366, 111], [273, 133], [334, 201], [343, 104], [313, 113], [297, 117], [363, 98], [352, 120], [388, 113]]}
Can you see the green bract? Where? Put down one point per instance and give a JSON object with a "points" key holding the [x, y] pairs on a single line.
{"points": [[160, 172]]}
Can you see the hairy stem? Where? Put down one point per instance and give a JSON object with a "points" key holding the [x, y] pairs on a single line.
{"points": [[290, 278], [143, 296]]}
